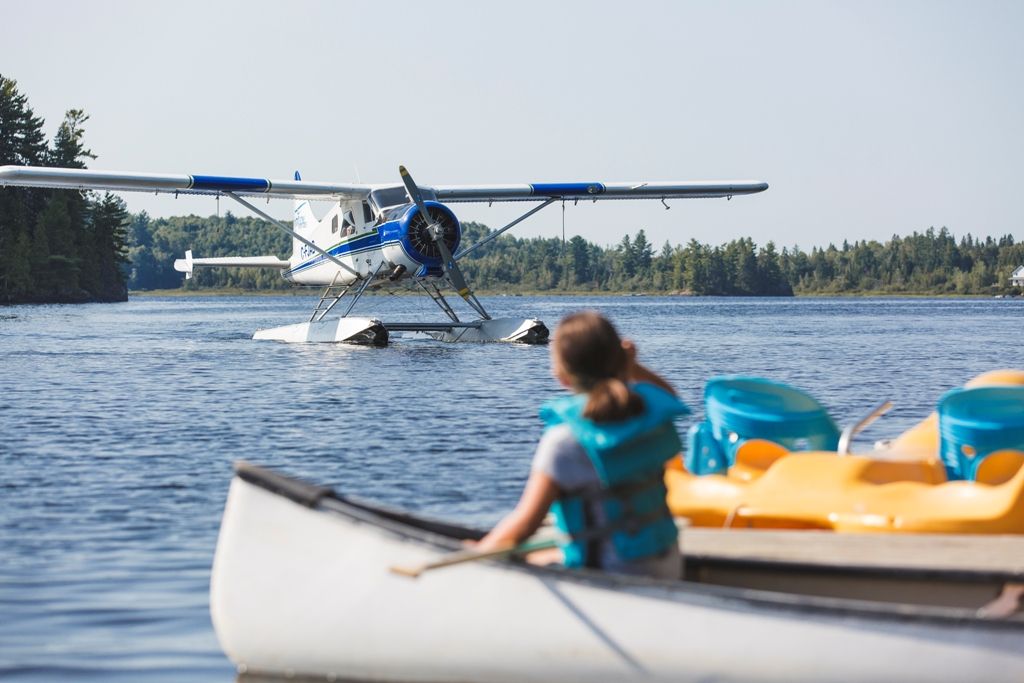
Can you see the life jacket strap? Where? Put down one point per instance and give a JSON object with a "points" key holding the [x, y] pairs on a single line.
{"points": [[622, 491], [628, 525]]}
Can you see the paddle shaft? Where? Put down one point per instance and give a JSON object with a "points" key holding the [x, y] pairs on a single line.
{"points": [[470, 555]]}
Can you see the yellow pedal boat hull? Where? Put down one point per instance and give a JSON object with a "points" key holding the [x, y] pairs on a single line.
{"points": [[902, 488], [856, 493]]}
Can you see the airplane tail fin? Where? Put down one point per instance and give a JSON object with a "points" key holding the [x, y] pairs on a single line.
{"points": [[303, 220]]}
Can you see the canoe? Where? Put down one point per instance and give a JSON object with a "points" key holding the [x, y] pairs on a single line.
{"points": [[301, 587]]}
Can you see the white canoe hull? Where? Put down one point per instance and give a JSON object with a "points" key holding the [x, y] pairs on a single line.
{"points": [[306, 590]]}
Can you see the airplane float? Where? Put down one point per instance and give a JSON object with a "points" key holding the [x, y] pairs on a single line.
{"points": [[374, 237]]}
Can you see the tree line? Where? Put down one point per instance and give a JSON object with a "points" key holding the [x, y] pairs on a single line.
{"points": [[930, 262], [55, 245]]}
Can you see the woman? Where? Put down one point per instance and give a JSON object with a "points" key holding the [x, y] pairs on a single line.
{"points": [[599, 465]]}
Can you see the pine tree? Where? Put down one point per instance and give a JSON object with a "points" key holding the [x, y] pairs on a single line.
{"points": [[696, 268], [22, 142], [742, 255], [68, 150], [109, 219], [579, 260], [143, 268], [770, 273], [627, 257], [77, 245], [54, 272], [643, 252]]}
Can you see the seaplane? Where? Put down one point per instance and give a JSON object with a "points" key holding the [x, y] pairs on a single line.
{"points": [[375, 237]]}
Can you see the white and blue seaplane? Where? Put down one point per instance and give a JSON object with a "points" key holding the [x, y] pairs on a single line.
{"points": [[374, 237]]}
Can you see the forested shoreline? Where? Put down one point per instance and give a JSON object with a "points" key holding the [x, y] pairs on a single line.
{"points": [[933, 262], [56, 246]]}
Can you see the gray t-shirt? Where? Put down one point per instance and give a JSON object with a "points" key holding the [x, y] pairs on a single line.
{"points": [[560, 456]]}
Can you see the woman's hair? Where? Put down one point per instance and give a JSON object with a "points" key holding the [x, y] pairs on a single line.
{"points": [[590, 352]]}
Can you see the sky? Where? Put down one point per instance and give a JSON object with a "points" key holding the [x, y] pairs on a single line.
{"points": [[867, 119]]}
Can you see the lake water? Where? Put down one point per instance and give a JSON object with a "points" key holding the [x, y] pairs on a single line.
{"points": [[120, 422]]}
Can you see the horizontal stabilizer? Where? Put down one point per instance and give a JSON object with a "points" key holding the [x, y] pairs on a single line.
{"points": [[186, 264]]}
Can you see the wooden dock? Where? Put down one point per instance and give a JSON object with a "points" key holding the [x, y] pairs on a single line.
{"points": [[979, 572], [983, 554]]}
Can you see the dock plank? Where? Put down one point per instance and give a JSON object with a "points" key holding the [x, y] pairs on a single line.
{"points": [[1001, 554]]}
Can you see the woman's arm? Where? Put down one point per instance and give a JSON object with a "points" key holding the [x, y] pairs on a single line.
{"points": [[538, 495], [641, 373]]}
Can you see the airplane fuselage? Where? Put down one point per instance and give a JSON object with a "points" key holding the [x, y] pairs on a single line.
{"points": [[393, 242]]}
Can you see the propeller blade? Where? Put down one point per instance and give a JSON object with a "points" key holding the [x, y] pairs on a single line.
{"points": [[414, 191], [451, 269]]}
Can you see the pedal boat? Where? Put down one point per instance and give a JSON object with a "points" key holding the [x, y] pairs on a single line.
{"points": [[851, 493], [301, 587], [903, 487]]}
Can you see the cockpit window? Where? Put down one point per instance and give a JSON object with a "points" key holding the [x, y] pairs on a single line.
{"points": [[387, 197]]}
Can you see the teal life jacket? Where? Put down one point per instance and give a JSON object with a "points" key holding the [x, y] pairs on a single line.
{"points": [[629, 457]]}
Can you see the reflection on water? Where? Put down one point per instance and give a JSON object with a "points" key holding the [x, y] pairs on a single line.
{"points": [[120, 423]]}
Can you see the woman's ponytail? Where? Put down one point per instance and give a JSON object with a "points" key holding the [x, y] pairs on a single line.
{"points": [[610, 400]]}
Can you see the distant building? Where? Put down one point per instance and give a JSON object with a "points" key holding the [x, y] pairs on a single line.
{"points": [[1017, 279]]}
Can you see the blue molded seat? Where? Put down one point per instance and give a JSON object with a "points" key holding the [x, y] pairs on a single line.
{"points": [[703, 454], [741, 408], [976, 422]]}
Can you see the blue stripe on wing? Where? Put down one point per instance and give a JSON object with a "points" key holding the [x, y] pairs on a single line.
{"points": [[229, 184], [560, 189]]}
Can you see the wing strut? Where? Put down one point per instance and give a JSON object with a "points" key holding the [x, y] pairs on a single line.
{"points": [[514, 223], [333, 259]]}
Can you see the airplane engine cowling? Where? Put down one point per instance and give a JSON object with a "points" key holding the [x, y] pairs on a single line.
{"points": [[407, 241]]}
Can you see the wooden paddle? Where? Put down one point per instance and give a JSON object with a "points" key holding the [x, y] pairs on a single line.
{"points": [[470, 555]]}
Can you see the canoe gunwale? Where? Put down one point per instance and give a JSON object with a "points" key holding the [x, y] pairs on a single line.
{"points": [[433, 532], [444, 536]]}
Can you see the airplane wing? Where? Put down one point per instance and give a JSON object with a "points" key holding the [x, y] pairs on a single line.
{"points": [[595, 190], [88, 179]]}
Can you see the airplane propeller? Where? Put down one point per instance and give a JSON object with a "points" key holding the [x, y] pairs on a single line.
{"points": [[448, 264]]}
